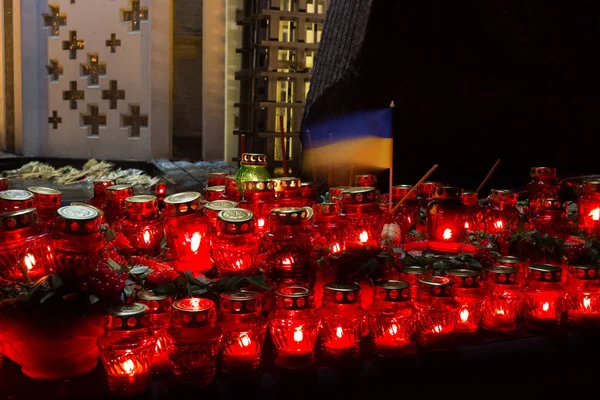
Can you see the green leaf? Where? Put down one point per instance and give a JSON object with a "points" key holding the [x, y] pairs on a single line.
{"points": [[129, 282], [113, 264], [196, 291], [167, 289], [56, 281], [259, 282], [110, 235], [139, 269], [46, 297], [94, 299], [128, 290]]}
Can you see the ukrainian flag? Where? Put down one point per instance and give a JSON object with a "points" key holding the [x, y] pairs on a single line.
{"points": [[362, 139]]}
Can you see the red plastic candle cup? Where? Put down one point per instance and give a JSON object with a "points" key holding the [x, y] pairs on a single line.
{"points": [[213, 193], [77, 240], [514, 262], [362, 218], [550, 217], [235, 247], [344, 321], [126, 349], [213, 208], [391, 319], [143, 224], [232, 192], [588, 208], [187, 230], [115, 210], [16, 199], [99, 198], [469, 298], [26, 253], [4, 183], [335, 193], [437, 313], [288, 192], [544, 184], [365, 180], [407, 215], [309, 193], [288, 243], [326, 228], [295, 326], [159, 313], [583, 300], [259, 197], [544, 298], [411, 275], [446, 217], [503, 299], [425, 193], [216, 179], [193, 341], [244, 330], [474, 218], [501, 214], [47, 202]]}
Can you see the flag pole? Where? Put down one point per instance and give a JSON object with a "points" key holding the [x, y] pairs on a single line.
{"points": [[392, 105], [487, 178], [414, 188]]}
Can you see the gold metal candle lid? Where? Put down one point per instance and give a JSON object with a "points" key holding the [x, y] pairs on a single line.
{"points": [[258, 186], [294, 298], [465, 278], [504, 196], [127, 317], [16, 195], [253, 159], [101, 185], [585, 272], [182, 204], [194, 312], [365, 180], [220, 205], [392, 290], [543, 172], [401, 191], [470, 198], [551, 205], [436, 286], [44, 195], [591, 186], [78, 219], [218, 188], [156, 304], [235, 221], [447, 192], [425, 190], [341, 293], [240, 302], [141, 205], [326, 209], [509, 260], [217, 176], [287, 216], [415, 270], [14, 220], [287, 183], [359, 195], [544, 273], [500, 274], [119, 192]]}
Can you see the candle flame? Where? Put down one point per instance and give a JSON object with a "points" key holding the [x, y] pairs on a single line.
{"points": [[545, 306], [147, 237], [447, 234], [288, 261], [196, 239], [195, 302], [244, 340], [437, 329], [393, 329], [364, 237], [499, 224], [29, 261], [239, 264], [336, 248], [128, 367], [409, 220], [464, 316], [339, 332], [260, 222], [466, 225], [499, 311], [298, 335], [595, 214], [587, 302]]}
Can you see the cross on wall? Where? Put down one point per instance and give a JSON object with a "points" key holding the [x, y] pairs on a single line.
{"points": [[93, 70], [113, 43], [113, 95], [73, 44], [136, 15], [54, 120], [94, 120], [73, 95], [55, 70], [54, 20], [134, 120]]}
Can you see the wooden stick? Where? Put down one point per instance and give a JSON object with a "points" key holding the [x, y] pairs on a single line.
{"points": [[283, 155], [487, 178], [242, 144], [414, 188], [351, 175]]}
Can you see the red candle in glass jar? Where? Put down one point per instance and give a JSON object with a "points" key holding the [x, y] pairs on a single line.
{"points": [[244, 329], [474, 218], [550, 217], [343, 321], [391, 318], [126, 349], [159, 313], [503, 299], [16, 199], [4, 183], [425, 193], [583, 299], [77, 239], [193, 341], [326, 229], [99, 198], [47, 202], [187, 230], [335, 193], [362, 218], [501, 212], [544, 296], [544, 184], [309, 194], [469, 298], [365, 180], [116, 210], [288, 192], [514, 262], [588, 208], [216, 179], [294, 326], [232, 191], [288, 244], [213, 208], [235, 247], [259, 197], [411, 275], [25, 252], [446, 217], [437, 313], [212, 193], [407, 215], [143, 224]]}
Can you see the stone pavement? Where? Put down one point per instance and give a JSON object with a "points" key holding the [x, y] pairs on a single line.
{"points": [[181, 176]]}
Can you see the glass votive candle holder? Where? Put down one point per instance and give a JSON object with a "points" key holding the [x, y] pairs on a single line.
{"points": [[335, 193], [216, 179], [288, 192], [259, 197], [446, 217], [468, 296], [362, 218], [159, 315], [115, 210], [343, 321], [391, 319], [411, 275], [365, 180], [212, 193], [408, 213], [15, 199], [544, 184], [232, 192], [98, 200], [474, 220], [253, 167], [503, 299], [294, 326], [550, 218], [501, 214], [309, 194], [437, 313], [326, 228], [425, 193], [544, 300], [47, 202], [126, 349], [193, 341], [583, 299], [4, 183], [213, 208], [143, 225], [514, 262]]}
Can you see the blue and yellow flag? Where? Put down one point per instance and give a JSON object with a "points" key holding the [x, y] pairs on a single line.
{"points": [[363, 139]]}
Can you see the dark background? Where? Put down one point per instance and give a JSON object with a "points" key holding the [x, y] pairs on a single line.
{"points": [[472, 81]]}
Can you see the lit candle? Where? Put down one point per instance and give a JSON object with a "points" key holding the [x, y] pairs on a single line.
{"points": [[469, 298], [364, 237], [501, 212], [588, 208], [143, 226], [159, 309], [446, 217], [544, 296], [503, 299]]}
